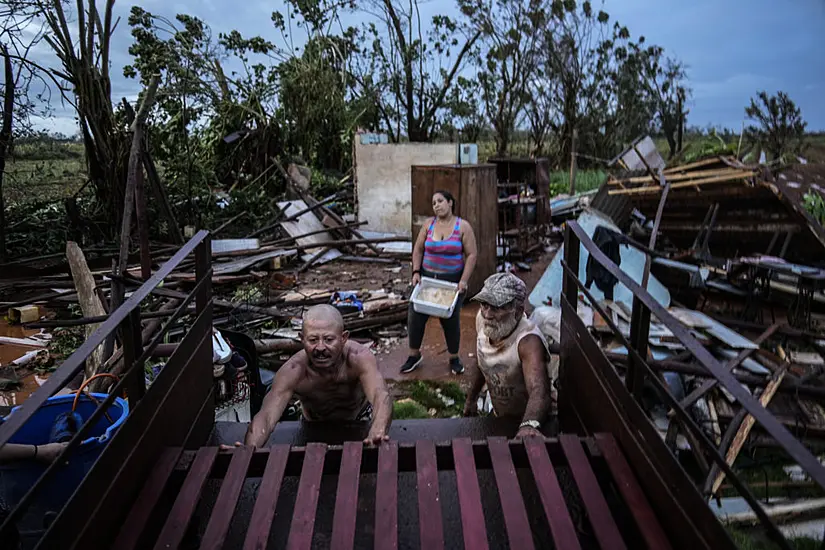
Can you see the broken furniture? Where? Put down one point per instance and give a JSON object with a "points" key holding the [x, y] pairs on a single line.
{"points": [[594, 396], [523, 206], [473, 188], [760, 271]]}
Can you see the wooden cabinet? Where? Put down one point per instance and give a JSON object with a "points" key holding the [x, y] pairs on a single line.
{"points": [[524, 209], [475, 190]]}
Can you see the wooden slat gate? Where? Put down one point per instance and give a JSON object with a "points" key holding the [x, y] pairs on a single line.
{"points": [[474, 495]]}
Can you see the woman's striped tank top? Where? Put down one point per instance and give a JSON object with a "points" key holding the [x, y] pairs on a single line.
{"points": [[445, 256]]}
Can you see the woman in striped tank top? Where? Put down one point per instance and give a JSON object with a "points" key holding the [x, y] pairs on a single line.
{"points": [[446, 250]]}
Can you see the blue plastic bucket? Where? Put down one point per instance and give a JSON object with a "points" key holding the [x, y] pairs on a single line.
{"points": [[16, 478]]}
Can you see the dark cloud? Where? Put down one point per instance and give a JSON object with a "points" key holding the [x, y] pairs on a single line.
{"points": [[732, 49]]}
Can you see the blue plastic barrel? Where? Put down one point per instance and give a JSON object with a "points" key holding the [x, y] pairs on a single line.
{"points": [[16, 478]]}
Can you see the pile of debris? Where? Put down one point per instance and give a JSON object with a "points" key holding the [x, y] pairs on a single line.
{"points": [[729, 250], [306, 254]]}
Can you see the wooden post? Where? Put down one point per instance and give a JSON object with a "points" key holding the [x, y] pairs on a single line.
{"points": [[655, 233], [135, 162], [5, 142], [132, 350], [143, 225], [639, 333], [573, 164]]}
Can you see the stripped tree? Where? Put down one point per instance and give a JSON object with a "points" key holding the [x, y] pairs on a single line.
{"points": [[509, 58], [84, 55], [406, 73]]}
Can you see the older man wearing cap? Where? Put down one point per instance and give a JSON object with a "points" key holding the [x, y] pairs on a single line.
{"points": [[512, 354]]}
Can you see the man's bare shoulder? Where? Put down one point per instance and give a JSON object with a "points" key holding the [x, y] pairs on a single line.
{"points": [[531, 344], [358, 355], [296, 366]]}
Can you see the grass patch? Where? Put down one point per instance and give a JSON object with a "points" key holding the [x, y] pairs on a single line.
{"points": [[753, 541], [586, 180], [28, 180], [408, 409], [437, 400]]}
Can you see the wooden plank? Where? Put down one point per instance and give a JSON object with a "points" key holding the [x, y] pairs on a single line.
{"points": [[604, 527], [747, 425], [264, 512], [519, 532], [558, 516], [90, 303], [693, 165], [346, 497], [429, 502], [129, 535], [187, 500], [659, 473], [224, 509], [485, 226], [632, 493], [469, 496], [651, 189], [164, 417], [306, 504], [386, 497], [694, 175]]}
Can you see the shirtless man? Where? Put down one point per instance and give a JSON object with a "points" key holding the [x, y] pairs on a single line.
{"points": [[334, 378], [512, 356]]}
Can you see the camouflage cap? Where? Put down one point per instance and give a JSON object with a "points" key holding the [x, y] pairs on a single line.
{"points": [[501, 289]]}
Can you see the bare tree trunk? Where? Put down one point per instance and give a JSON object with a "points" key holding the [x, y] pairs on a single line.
{"points": [[681, 128], [5, 142], [135, 165]]}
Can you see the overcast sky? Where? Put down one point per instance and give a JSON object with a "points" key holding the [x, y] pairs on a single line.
{"points": [[732, 48]]}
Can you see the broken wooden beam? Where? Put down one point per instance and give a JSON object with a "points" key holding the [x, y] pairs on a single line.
{"points": [[747, 425], [90, 303]]}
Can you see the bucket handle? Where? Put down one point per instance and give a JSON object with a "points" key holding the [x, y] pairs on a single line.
{"points": [[89, 394]]}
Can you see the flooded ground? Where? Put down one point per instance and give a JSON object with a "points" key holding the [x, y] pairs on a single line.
{"points": [[11, 352]]}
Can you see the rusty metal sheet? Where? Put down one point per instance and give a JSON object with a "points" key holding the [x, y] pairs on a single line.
{"points": [[222, 246]]}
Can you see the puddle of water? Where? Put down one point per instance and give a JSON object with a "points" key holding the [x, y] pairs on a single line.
{"points": [[10, 352], [30, 385]]}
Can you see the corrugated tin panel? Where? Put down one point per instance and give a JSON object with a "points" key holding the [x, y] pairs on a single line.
{"points": [[617, 207]]}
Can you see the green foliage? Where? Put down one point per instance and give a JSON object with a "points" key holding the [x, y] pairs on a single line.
{"points": [[815, 205], [65, 341], [453, 391], [510, 55], [407, 410], [779, 127], [446, 399], [707, 146]]}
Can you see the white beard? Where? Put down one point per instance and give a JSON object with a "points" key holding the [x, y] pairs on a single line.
{"points": [[496, 332]]}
